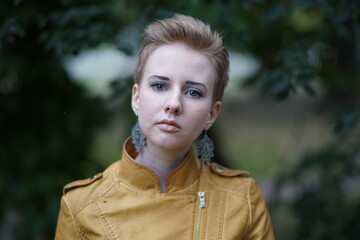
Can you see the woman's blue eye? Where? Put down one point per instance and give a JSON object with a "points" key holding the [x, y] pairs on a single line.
{"points": [[158, 86], [194, 93]]}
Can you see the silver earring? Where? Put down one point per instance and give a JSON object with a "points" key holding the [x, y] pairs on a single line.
{"points": [[138, 138], [206, 149]]}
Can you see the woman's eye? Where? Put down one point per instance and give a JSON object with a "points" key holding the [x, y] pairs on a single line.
{"points": [[158, 86], [194, 93]]}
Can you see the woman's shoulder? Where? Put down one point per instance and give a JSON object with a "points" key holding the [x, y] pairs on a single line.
{"points": [[80, 193], [234, 181]]}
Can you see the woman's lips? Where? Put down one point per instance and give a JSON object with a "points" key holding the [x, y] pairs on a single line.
{"points": [[169, 126]]}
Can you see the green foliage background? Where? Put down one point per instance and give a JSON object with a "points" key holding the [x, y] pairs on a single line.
{"points": [[48, 122]]}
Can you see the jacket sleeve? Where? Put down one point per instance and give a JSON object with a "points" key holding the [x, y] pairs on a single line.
{"points": [[66, 227], [260, 226]]}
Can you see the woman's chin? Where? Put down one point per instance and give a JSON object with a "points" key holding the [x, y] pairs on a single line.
{"points": [[172, 143]]}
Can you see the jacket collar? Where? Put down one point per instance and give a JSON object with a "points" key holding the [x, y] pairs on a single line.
{"points": [[142, 178]]}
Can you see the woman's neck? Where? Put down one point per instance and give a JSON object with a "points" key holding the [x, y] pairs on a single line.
{"points": [[161, 161]]}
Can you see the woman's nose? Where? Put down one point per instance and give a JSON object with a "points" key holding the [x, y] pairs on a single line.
{"points": [[174, 105]]}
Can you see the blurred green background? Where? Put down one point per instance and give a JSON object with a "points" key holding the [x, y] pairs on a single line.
{"points": [[291, 110]]}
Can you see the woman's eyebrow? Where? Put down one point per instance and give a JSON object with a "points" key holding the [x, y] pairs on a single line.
{"points": [[159, 77], [187, 82], [196, 83]]}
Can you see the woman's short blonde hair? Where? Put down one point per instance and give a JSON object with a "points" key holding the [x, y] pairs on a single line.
{"points": [[195, 34]]}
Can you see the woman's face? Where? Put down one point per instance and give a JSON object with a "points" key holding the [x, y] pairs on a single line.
{"points": [[173, 101]]}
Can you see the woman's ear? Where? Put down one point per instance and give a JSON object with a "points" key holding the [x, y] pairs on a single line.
{"points": [[213, 114], [135, 98]]}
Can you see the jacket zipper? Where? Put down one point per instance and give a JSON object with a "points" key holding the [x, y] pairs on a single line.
{"points": [[202, 205]]}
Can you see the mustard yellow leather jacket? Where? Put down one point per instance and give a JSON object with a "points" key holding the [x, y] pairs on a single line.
{"points": [[201, 202]]}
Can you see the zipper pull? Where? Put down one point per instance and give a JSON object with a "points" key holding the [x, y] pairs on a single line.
{"points": [[202, 199]]}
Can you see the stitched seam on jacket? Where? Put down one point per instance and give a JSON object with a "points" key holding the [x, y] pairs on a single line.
{"points": [[88, 203], [249, 207], [107, 224], [94, 202], [82, 234], [205, 217], [207, 176], [222, 216], [192, 225], [73, 219]]}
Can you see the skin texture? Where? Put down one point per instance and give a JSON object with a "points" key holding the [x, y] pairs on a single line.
{"points": [[174, 105]]}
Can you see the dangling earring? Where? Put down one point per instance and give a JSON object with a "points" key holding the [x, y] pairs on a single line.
{"points": [[138, 138], [206, 149]]}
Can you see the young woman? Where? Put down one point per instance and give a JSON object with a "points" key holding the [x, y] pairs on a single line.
{"points": [[160, 189]]}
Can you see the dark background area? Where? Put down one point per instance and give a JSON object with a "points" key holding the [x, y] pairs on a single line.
{"points": [[294, 123]]}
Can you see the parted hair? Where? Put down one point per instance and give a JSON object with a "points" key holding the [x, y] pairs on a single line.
{"points": [[193, 33]]}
